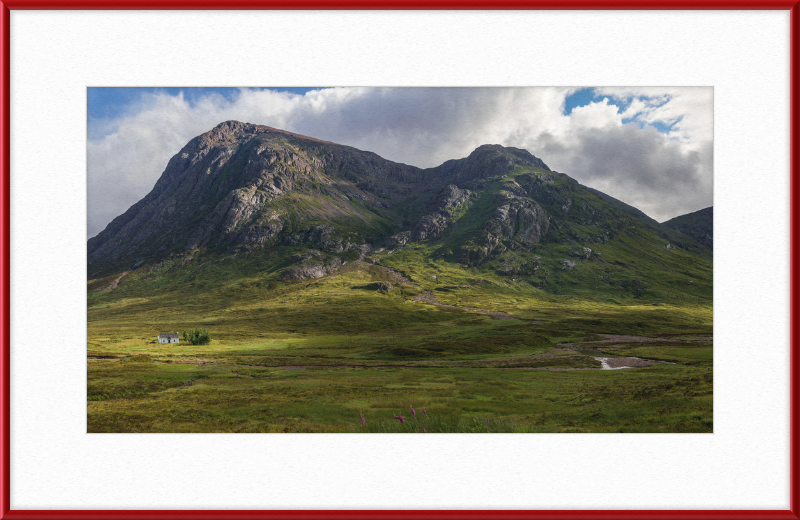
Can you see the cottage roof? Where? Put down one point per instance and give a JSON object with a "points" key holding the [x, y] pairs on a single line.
{"points": [[168, 335]]}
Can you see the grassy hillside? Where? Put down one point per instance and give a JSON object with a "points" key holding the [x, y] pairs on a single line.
{"points": [[375, 339], [698, 225]]}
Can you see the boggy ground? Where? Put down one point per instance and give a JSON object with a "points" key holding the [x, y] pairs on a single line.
{"points": [[316, 355]]}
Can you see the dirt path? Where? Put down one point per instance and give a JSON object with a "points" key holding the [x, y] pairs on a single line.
{"points": [[113, 285]]}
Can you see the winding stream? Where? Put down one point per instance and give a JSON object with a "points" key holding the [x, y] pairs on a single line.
{"points": [[605, 366]]}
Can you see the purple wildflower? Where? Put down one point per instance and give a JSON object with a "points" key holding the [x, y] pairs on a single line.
{"points": [[423, 430], [363, 421], [412, 410], [424, 412], [400, 418]]}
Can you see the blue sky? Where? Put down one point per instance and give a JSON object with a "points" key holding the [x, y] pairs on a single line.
{"points": [[112, 102], [584, 96], [106, 104], [650, 147], [587, 95]]}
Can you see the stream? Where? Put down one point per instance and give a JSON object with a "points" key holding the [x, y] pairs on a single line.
{"points": [[612, 362], [605, 366]]}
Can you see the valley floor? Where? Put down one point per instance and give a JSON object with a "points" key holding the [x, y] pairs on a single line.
{"points": [[145, 394], [316, 356]]}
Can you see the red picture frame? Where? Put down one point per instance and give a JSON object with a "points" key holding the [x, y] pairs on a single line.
{"points": [[5, 447]]}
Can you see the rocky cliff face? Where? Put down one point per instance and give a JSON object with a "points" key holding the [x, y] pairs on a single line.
{"points": [[243, 188]]}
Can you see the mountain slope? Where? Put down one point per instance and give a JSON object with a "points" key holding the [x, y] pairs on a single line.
{"points": [[671, 233], [698, 225], [276, 202], [239, 186]]}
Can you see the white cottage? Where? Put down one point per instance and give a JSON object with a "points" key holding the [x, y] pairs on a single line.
{"points": [[168, 337]]}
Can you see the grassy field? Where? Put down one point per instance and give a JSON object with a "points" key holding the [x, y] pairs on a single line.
{"points": [[479, 352]]}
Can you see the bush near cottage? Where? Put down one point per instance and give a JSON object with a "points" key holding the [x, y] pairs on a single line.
{"points": [[197, 336]]}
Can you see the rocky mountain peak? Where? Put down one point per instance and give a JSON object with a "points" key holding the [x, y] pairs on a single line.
{"points": [[242, 188], [490, 160], [231, 131], [515, 156]]}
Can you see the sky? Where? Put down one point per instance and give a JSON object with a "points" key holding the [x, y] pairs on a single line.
{"points": [[650, 147]]}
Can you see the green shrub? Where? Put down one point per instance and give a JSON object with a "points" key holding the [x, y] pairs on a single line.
{"points": [[197, 336]]}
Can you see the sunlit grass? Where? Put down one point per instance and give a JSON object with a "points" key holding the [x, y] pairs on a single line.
{"points": [[314, 355]]}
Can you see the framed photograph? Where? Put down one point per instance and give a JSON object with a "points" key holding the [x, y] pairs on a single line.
{"points": [[399, 260]]}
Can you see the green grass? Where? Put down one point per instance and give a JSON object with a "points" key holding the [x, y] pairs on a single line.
{"points": [[361, 351], [244, 399]]}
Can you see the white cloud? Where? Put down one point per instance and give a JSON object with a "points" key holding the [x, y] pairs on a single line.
{"points": [[691, 107], [426, 126], [594, 115]]}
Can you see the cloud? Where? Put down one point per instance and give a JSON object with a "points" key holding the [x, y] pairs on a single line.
{"points": [[661, 178], [690, 108], [664, 174]]}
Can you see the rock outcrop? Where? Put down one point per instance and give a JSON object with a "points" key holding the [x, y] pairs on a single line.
{"points": [[242, 188]]}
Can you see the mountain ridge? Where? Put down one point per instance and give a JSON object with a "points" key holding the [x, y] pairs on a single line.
{"points": [[310, 206], [699, 225], [376, 181]]}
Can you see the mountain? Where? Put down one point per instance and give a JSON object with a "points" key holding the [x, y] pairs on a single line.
{"points": [[673, 234], [698, 225], [242, 186], [273, 201], [625, 208]]}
